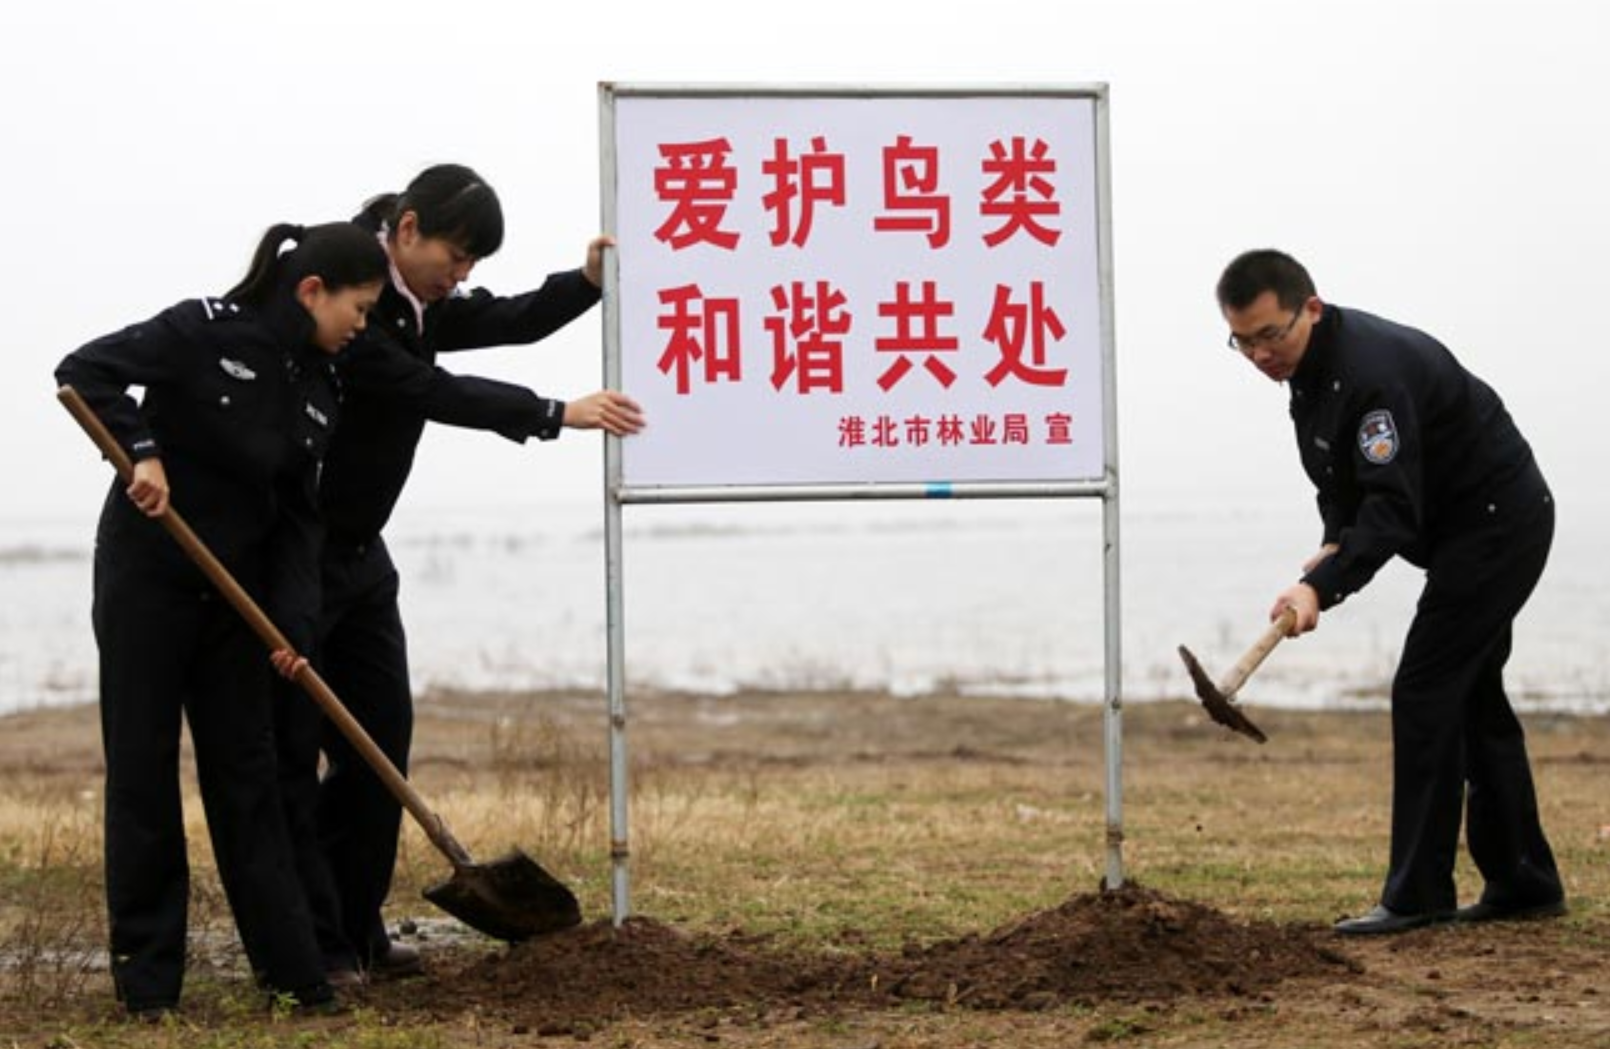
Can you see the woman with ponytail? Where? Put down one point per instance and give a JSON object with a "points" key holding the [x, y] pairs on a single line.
{"points": [[435, 231], [239, 403]]}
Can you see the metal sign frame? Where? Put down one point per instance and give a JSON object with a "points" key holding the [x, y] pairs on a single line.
{"points": [[619, 491]]}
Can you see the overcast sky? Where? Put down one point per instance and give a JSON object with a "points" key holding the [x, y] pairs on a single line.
{"points": [[1443, 164]]}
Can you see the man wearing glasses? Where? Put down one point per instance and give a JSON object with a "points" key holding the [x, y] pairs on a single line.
{"points": [[1414, 456]]}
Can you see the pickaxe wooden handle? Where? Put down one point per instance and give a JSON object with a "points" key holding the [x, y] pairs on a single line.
{"points": [[1278, 630]]}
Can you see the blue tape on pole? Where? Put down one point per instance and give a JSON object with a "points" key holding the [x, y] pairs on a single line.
{"points": [[939, 491]]}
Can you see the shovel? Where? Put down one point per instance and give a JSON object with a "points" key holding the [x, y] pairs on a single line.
{"points": [[511, 898], [1220, 699]]}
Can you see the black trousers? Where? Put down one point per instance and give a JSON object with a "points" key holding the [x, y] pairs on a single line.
{"points": [[171, 648], [299, 738], [1457, 743], [363, 656]]}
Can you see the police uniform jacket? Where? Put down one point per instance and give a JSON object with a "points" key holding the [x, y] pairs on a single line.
{"points": [[392, 386], [239, 405], [1408, 451]]}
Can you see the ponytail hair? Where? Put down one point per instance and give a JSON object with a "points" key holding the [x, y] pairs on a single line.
{"points": [[339, 253], [449, 201]]}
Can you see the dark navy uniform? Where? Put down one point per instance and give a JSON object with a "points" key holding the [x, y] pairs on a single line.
{"points": [[1414, 456], [392, 387], [239, 424]]}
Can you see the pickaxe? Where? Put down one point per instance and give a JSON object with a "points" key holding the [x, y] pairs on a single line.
{"points": [[1220, 699]]}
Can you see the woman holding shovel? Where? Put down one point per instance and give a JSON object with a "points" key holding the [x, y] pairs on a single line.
{"points": [[240, 401]]}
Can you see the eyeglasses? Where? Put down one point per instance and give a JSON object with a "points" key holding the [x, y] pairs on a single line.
{"points": [[1248, 343]]}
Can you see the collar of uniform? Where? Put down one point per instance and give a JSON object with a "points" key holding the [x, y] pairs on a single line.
{"points": [[399, 285], [291, 324], [1315, 364]]}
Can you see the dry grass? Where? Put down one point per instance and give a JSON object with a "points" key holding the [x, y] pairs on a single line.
{"points": [[811, 819]]}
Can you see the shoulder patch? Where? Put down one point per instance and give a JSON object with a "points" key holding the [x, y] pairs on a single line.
{"points": [[1378, 437]]}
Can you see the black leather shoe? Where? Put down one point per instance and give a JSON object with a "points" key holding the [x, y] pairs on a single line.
{"points": [[1383, 921], [1499, 912], [400, 959], [344, 978]]}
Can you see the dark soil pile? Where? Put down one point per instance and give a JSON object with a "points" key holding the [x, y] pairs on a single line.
{"points": [[1130, 945]]}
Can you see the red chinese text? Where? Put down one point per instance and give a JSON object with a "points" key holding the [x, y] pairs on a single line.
{"points": [[1021, 194], [815, 178], [911, 193], [1016, 329], [807, 337], [916, 332], [699, 184], [702, 331], [952, 430]]}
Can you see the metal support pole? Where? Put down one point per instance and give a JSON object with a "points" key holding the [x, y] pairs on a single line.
{"points": [[1112, 709], [614, 553], [619, 841]]}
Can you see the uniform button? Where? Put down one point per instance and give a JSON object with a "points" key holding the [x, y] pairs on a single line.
{"points": [[402, 322], [1492, 508], [1337, 385], [307, 442], [224, 400]]}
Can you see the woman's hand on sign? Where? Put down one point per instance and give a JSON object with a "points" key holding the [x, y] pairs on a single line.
{"points": [[607, 410], [593, 268]]}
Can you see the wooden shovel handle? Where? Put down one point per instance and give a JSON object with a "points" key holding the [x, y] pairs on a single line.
{"points": [[1278, 631], [271, 636]]}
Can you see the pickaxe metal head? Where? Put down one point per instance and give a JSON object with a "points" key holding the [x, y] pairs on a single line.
{"points": [[1217, 704]]}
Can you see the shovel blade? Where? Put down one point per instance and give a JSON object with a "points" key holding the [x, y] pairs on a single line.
{"points": [[510, 898], [1220, 709]]}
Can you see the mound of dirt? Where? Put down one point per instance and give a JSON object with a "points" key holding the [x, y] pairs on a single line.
{"points": [[1129, 945]]}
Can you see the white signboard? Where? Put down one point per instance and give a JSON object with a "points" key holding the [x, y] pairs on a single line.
{"points": [[878, 287]]}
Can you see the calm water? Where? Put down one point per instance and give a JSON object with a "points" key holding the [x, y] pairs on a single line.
{"points": [[999, 597]]}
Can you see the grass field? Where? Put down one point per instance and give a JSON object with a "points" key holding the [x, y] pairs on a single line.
{"points": [[858, 871]]}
